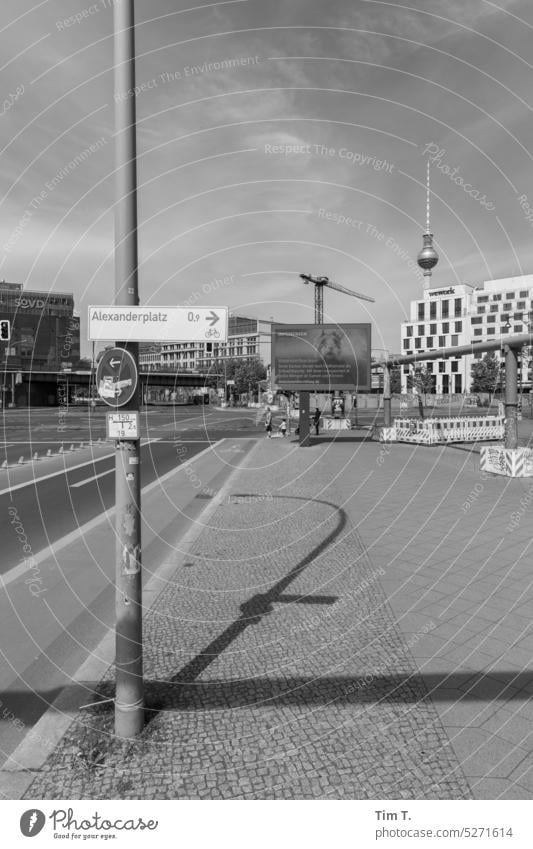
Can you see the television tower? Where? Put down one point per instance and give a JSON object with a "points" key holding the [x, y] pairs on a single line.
{"points": [[428, 256]]}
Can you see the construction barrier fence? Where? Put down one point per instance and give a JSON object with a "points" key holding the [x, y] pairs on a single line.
{"points": [[510, 462], [336, 424], [437, 431]]}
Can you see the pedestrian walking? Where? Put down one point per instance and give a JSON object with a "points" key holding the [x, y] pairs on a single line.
{"points": [[268, 422], [316, 420], [283, 427]]}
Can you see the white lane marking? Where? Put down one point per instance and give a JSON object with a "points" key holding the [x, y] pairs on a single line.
{"points": [[88, 480], [65, 470], [74, 536], [109, 471]]}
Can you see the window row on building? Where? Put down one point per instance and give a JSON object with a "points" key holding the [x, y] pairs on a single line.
{"points": [[248, 338], [495, 310]]}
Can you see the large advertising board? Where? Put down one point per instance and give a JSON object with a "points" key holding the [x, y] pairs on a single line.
{"points": [[321, 357]]}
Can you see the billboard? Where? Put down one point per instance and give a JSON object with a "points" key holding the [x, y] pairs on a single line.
{"points": [[321, 357]]}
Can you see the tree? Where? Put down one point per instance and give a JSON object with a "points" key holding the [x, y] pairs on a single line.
{"points": [[421, 380], [247, 374], [485, 374], [395, 380]]}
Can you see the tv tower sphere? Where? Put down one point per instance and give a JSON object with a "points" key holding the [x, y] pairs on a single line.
{"points": [[428, 256]]}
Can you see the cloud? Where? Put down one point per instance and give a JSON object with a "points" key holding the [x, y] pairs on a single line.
{"points": [[192, 125]]}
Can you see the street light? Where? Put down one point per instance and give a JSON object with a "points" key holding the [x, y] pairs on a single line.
{"points": [[504, 328], [525, 360]]}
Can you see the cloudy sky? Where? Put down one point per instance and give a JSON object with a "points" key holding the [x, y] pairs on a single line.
{"points": [[273, 138]]}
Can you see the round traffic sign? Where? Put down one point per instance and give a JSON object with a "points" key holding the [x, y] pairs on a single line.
{"points": [[116, 377]]}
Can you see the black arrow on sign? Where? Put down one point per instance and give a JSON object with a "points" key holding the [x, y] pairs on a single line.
{"points": [[213, 318]]}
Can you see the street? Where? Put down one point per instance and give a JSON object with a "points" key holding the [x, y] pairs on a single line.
{"points": [[54, 506]]}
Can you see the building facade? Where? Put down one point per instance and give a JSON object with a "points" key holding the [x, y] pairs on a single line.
{"points": [[462, 315], [248, 338], [150, 356], [501, 308], [45, 330], [440, 319]]}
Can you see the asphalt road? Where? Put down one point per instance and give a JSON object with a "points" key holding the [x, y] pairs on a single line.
{"points": [[52, 507], [55, 502], [23, 432], [40, 651]]}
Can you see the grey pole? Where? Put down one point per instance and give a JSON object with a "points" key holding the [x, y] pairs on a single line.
{"points": [[304, 418], [511, 398], [129, 694], [387, 410]]}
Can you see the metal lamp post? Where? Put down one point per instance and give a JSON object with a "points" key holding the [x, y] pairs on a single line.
{"points": [[387, 395], [129, 690]]}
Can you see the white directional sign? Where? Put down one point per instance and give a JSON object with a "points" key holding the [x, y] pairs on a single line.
{"points": [[158, 324]]}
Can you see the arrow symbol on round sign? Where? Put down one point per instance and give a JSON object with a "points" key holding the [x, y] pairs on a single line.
{"points": [[114, 363], [213, 318]]}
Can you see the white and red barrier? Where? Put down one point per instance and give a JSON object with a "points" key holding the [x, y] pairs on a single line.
{"points": [[510, 462], [437, 431], [330, 423]]}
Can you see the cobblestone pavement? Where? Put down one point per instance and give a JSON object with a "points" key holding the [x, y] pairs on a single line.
{"points": [[274, 665], [455, 545]]}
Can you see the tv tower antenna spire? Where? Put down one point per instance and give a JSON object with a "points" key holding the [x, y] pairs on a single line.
{"points": [[428, 256]]}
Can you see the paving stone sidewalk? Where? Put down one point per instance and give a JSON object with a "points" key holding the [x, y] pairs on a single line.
{"points": [[296, 652]]}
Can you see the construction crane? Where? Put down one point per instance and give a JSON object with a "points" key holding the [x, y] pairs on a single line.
{"points": [[320, 282]]}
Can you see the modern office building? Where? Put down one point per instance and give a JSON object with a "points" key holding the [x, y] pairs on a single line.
{"points": [[461, 315], [501, 308], [440, 319], [45, 330]]}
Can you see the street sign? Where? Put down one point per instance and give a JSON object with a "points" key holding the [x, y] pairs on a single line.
{"points": [[158, 324], [116, 377], [123, 425]]}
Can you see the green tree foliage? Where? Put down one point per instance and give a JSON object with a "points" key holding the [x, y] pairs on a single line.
{"points": [[245, 373], [395, 380], [421, 380], [485, 374]]}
